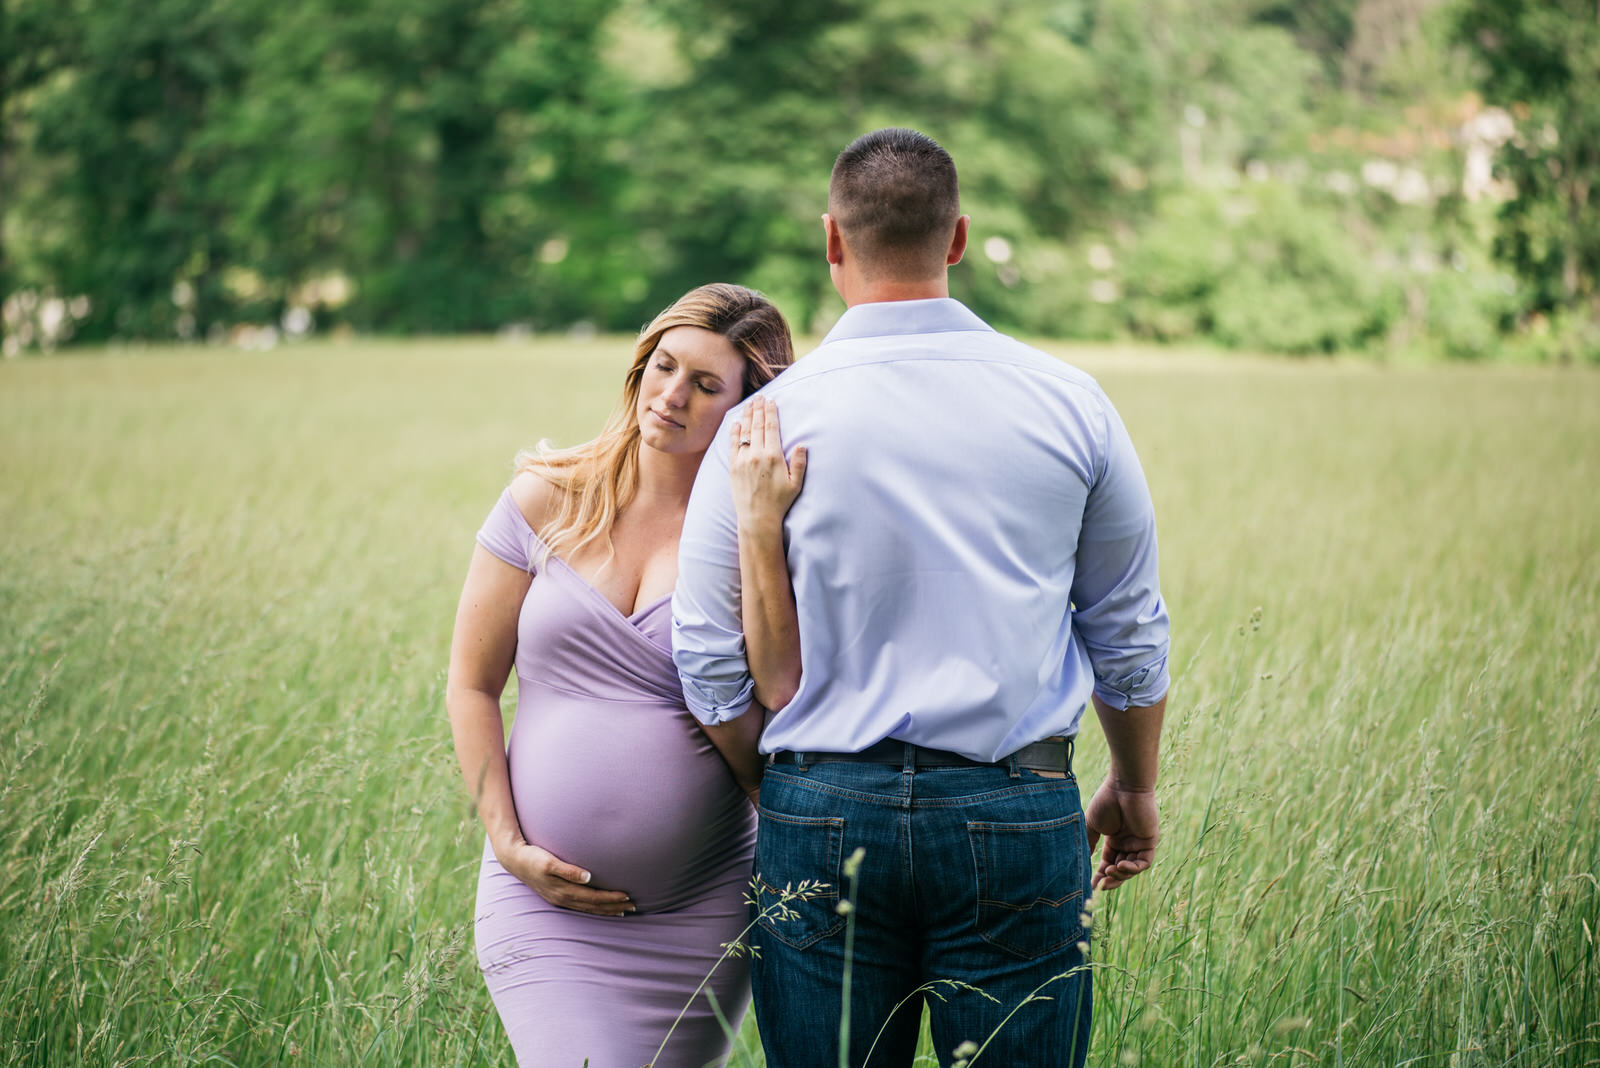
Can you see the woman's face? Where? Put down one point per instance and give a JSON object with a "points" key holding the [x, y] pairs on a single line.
{"points": [[690, 381]]}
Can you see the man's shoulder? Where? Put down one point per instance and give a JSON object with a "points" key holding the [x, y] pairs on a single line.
{"points": [[979, 347], [1046, 364]]}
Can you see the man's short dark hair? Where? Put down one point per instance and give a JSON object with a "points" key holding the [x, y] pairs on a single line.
{"points": [[894, 196]]}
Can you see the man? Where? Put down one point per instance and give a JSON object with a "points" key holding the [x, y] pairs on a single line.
{"points": [[973, 558]]}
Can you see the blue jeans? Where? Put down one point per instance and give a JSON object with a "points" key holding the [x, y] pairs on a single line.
{"points": [[971, 877]]}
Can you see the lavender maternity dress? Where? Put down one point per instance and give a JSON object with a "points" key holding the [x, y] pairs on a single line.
{"points": [[610, 772]]}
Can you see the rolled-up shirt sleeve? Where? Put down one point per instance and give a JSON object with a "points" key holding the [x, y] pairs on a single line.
{"points": [[1118, 612], [707, 629]]}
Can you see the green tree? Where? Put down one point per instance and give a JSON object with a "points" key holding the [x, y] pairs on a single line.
{"points": [[1047, 106], [119, 98], [729, 158], [1543, 58], [194, 164], [427, 149]]}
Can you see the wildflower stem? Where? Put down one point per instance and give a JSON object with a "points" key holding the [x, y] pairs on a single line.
{"points": [[777, 908], [853, 873], [1030, 999]]}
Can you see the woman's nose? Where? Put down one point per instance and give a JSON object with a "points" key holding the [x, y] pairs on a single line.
{"points": [[677, 391]]}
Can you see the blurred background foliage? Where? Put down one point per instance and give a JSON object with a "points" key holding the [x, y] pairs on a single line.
{"points": [[1399, 177]]}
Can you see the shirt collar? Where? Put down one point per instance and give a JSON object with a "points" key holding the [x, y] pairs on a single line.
{"points": [[934, 316]]}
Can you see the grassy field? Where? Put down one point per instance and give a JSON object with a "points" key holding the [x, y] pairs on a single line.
{"points": [[231, 829]]}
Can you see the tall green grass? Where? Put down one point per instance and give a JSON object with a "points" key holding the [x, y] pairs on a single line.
{"points": [[231, 829]]}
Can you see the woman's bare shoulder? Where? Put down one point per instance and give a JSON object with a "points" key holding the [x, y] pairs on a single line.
{"points": [[538, 499]]}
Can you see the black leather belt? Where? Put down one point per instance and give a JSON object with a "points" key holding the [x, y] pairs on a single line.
{"points": [[1051, 754]]}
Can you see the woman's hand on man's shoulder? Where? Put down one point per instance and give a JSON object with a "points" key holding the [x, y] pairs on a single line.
{"points": [[764, 482]]}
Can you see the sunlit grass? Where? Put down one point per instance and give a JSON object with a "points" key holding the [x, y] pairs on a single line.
{"points": [[231, 827]]}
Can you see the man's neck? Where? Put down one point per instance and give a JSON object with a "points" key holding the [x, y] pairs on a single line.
{"points": [[885, 290]]}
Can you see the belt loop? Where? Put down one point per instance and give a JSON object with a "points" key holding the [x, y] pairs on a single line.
{"points": [[1070, 747], [909, 763], [800, 762], [1012, 768]]}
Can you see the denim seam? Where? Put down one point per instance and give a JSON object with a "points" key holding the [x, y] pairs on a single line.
{"points": [[822, 895], [1041, 825], [884, 800], [803, 821], [895, 800], [1001, 794]]}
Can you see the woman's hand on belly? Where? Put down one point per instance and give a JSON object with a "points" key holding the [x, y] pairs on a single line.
{"points": [[563, 885]]}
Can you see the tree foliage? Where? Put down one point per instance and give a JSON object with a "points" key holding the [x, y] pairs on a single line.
{"points": [[1148, 168], [1545, 56]]}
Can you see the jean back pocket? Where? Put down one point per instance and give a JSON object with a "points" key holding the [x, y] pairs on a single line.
{"points": [[797, 877], [1032, 878]]}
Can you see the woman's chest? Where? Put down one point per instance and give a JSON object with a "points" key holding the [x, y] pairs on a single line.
{"points": [[639, 571]]}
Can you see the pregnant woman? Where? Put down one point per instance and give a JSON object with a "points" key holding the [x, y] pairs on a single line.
{"points": [[619, 840]]}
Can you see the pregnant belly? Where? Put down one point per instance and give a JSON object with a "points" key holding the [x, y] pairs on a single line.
{"points": [[633, 793]]}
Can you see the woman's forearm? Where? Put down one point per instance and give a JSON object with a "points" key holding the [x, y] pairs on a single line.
{"points": [[765, 484], [480, 741], [771, 625], [738, 740]]}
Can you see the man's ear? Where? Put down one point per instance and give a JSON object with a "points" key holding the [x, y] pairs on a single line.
{"points": [[958, 242], [830, 230]]}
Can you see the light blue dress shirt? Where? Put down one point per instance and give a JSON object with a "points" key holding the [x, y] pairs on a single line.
{"points": [[973, 553]]}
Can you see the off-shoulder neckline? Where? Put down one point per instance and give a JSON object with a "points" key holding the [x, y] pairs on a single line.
{"points": [[639, 613]]}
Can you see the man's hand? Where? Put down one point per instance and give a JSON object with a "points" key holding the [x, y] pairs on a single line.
{"points": [[562, 884], [1127, 819]]}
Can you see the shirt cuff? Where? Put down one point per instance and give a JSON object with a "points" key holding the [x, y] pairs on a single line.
{"points": [[709, 706], [1138, 689]]}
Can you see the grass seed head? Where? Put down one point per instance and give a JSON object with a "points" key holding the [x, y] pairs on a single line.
{"points": [[852, 864]]}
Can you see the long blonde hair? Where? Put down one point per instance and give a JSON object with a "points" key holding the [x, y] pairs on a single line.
{"points": [[600, 477]]}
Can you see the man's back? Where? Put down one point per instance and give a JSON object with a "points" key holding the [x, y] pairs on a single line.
{"points": [[972, 554], [935, 552]]}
